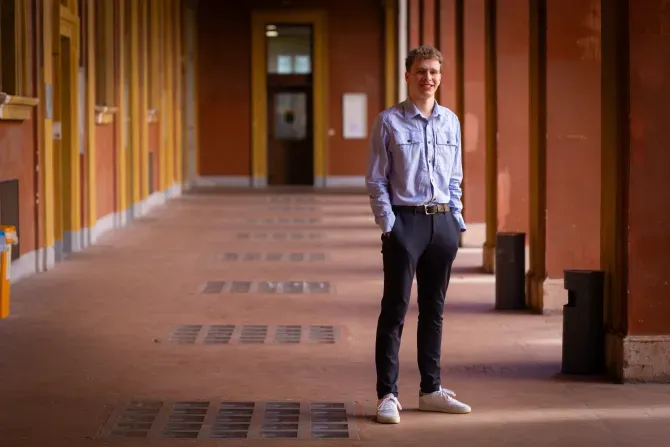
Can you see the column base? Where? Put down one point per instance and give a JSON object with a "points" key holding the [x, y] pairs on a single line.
{"points": [[638, 358], [489, 257], [545, 295]]}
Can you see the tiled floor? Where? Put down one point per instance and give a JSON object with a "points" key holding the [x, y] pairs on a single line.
{"points": [[94, 334]]}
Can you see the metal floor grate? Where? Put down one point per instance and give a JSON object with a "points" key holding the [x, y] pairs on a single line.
{"points": [[225, 334], [136, 421], [187, 333], [185, 420], [232, 420], [218, 334], [280, 236], [268, 287], [273, 257]]}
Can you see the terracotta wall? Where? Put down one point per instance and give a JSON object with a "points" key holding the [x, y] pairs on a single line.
{"points": [[573, 135], [356, 49], [224, 89], [648, 198], [474, 122], [356, 65], [105, 141], [16, 162], [512, 46]]}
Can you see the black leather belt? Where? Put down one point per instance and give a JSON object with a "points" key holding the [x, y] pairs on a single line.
{"points": [[423, 209]]}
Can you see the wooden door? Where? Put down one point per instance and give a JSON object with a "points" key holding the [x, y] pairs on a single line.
{"points": [[290, 136]]}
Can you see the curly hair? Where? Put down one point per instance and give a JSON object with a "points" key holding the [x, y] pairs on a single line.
{"points": [[424, 52]]}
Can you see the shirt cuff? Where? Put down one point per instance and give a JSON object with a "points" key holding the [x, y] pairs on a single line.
{"points": [[461, 222], [386, 223]]}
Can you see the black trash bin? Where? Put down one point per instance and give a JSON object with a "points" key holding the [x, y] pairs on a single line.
{"points": [[583, 325], [510, 271]]}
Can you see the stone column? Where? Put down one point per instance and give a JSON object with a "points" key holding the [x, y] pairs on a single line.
{"points": [[565, 167], [635, 243], [449, 40], [512, 53], [428, 22], [491, 134], [403, 42], [449, 32], [473, 121], [414, 23], [440, 23]]}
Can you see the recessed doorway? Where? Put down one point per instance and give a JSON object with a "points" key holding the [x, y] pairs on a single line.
{"points": [[290, 130], [289, 91]]}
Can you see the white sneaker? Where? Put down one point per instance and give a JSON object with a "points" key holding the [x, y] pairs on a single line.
{"points": [[387, 410], [442, 401]]}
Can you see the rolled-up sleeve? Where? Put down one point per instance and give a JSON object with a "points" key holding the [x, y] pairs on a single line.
{"points": [[455, 191], [376, 180]]}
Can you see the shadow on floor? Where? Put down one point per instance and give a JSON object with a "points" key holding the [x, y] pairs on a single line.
{"points": [[477, 307], [468, 270], [582, 378], [528, 427], [369, 304], [347, 270], [550, 371], [453, 370]]}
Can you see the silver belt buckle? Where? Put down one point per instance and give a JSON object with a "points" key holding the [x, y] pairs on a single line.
{"points": [[425, 209]]}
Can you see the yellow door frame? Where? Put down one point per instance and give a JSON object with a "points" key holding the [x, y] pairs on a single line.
{"points": [[134, 151], [68, 213], [259, 151], [91, 182], [122, 174], [46, 159], [167, 100]]}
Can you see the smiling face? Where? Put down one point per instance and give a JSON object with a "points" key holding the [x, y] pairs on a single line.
{"points": [[423, 78]]}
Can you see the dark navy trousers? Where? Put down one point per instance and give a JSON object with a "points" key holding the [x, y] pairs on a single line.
{"points": [[425, 246]]}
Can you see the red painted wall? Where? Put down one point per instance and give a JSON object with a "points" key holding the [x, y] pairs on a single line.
{"points": [[574, 134], [474, 122], [356, 49], [512, 46], [649, 187], [17, 153]]}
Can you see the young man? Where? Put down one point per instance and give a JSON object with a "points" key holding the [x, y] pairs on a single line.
{"points": [[413, 178]]}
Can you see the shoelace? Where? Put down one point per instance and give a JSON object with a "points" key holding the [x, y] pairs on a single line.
{"points": [[389, 400], [446, 393]]}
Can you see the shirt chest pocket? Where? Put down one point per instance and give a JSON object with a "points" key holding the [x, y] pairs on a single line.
{"points": [[445, 149], [407, 139], [406, 144]]}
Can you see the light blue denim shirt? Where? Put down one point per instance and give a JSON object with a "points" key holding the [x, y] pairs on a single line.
{"points": [[414, 161]]}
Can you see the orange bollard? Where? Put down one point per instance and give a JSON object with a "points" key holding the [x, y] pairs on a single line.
{"points": [[7, 239]]}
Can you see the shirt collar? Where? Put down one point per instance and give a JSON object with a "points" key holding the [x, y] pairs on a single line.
{"points": [[410, 109]]}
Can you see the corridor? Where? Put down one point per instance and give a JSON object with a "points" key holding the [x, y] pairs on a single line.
{"points": [[251, 314]]}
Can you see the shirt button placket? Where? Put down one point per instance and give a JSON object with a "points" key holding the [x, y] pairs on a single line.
{"points": [[432, 164]]}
